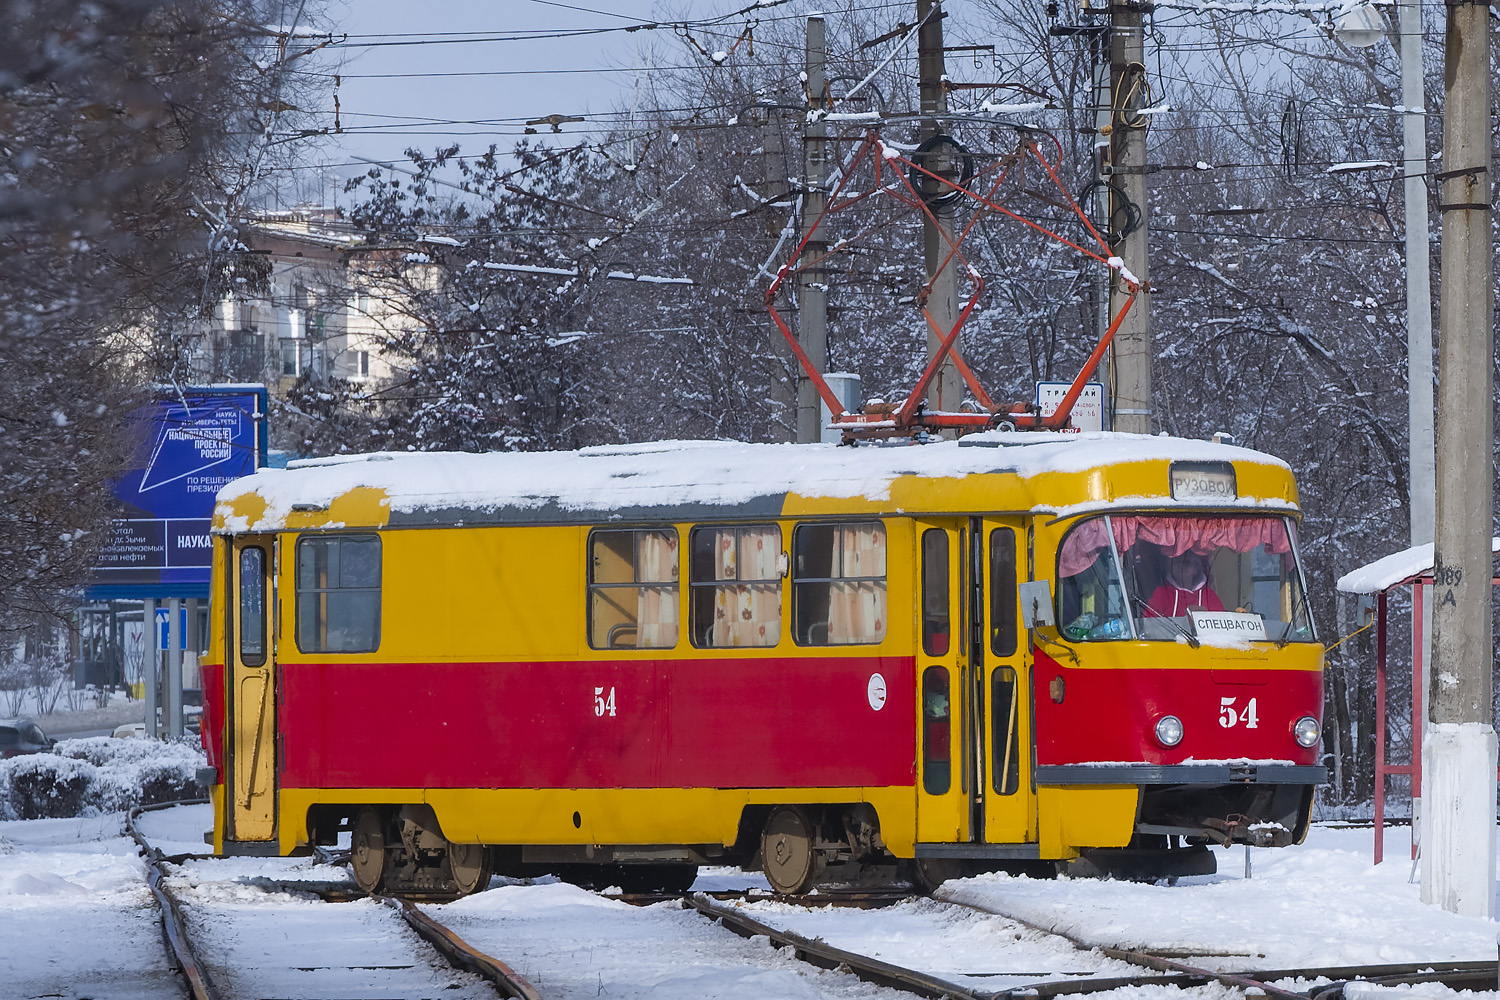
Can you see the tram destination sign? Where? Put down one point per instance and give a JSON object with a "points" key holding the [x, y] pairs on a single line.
{"points": [[1203, 481], [190, 444]]}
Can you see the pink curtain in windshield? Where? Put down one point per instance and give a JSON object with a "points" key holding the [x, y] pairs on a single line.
{"points": [[1082, 547], [1174, 535], [1204, 535]]}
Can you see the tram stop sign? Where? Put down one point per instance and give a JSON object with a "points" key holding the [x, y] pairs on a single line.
{"points": [[1088, 408]]}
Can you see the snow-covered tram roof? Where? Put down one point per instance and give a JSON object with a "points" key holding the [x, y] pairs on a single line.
{"points": [[708, 480]]}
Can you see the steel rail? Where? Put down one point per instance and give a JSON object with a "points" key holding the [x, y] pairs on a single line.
{"points": [[825, 956], [462, 954], [1456, 975], [174, 928], [1468, 974]]}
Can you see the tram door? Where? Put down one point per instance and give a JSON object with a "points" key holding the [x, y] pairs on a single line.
{"points": [[250, 784], [999, 562], [945, 768]]}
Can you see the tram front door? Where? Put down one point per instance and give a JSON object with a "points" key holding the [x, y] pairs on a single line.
{"points": [[250, 786], [974, 736]]}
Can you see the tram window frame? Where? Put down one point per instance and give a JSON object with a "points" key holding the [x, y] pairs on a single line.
{"points": [[937, 594], [812, 594], [937, 731], [705, 587], [1005, 686], [1004, 600], [314, 615], [247, 653], [599, 590]]}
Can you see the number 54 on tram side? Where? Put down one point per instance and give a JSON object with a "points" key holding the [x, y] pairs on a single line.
{"points": [[1020, 652]]}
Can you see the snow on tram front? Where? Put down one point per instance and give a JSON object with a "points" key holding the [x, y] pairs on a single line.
{"points": [[1021, 652]]}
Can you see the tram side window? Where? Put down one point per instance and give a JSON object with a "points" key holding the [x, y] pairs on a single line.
{"points": [[338, 594], [935, 615], [252, 606], [735, 581], [1003, 600], [633, 589], [839, 584], [1005, 755], [937, 732]]}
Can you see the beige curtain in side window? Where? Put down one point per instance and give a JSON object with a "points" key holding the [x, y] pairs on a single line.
{"points": [[656, 604], [857, 608], [747, 614]]}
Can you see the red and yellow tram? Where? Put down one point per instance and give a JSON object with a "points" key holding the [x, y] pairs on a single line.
{"points": [[622, 663]]}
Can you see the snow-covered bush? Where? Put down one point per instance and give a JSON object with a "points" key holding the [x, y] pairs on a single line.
{"points": [[98, 774], [46, 786]]}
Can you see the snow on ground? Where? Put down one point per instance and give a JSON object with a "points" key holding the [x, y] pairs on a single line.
{"points": [[260, 942], [76, 918], [573, 944], [974, 949], [178, 829], [77, 921], [1320, 904]]}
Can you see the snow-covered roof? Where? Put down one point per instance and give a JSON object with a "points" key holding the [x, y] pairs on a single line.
{"points": [[689, 480], [1396, 568]]}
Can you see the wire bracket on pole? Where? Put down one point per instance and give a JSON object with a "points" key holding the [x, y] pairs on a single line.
{"points": [[908, 181]]}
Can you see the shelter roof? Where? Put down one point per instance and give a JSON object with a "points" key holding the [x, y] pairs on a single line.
{"points": [[1396, 569]]}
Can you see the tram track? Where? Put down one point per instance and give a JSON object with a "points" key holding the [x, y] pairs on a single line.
{"points": [[199, 976], [731, 910], [180, 951], [1167, 970]]}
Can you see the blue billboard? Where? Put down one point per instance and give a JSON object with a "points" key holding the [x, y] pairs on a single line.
{"points": [[191, 444]]}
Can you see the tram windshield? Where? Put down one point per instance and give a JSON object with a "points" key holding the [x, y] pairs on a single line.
{"points": [[1160, 576]]}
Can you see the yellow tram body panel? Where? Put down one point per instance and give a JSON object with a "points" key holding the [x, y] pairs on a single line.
{"points": [[466, 596]]}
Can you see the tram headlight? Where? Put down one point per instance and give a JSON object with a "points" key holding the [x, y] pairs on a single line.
{"points": [[1307, 731], [1169, 730]]}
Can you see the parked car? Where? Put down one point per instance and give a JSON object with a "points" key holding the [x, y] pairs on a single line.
{"points": [[22, 736], [130, 731]]}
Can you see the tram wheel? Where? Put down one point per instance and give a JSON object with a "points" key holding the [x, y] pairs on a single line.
{"points": [[469, 867], [786, 849], [929, 873], [367, 850]]}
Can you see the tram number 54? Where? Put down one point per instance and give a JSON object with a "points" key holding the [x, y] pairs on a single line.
{"points": [[1230, 716], [604, 703]]}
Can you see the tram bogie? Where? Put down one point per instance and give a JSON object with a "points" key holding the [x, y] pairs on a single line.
{"points": [[617, 665]]}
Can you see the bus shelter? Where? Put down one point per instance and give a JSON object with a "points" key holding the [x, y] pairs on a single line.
{"points": [[1374, 582]]}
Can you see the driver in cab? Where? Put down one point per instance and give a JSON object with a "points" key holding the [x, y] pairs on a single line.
{"points": [[1186, 586]]}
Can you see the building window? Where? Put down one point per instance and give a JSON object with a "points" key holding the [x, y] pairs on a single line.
{"points": [[290, 358], [338, 594], [633, 589], [735, 584], [838, 584], [364, 363]]}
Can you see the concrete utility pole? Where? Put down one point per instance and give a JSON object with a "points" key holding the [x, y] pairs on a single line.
{"points": [[1421, 458], [945, 392], [1132, 347], [775, 183], [1458, 746], [812, 282]]}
